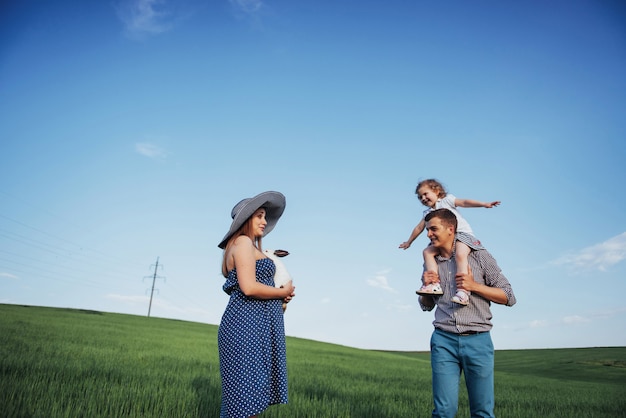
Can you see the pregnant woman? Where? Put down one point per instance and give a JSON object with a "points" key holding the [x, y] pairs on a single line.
{"points": [[251, 336]]}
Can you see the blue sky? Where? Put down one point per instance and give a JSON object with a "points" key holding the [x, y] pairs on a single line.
{"points": [[130, 128]]}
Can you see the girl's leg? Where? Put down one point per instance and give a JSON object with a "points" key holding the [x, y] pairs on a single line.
{"points": [[461, 254], [430, 277], [430, 264]]}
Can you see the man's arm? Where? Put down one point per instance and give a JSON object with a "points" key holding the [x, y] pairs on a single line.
{"points": [[466, 281], [427, 302], [496, 288]]}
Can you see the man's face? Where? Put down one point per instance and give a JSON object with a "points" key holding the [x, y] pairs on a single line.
{"points": [[440, 235]]}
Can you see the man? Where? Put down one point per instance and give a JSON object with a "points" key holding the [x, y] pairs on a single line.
{"points": [[461, 341]]}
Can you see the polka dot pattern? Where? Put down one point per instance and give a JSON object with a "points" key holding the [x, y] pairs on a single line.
{"points": [[251, 343]]}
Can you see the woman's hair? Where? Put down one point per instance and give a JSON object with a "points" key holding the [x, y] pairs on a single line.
{"points": [[246, 229], [435, 185]]}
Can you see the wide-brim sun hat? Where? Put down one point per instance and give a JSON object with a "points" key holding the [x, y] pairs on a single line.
{"points": [[272, 202]]}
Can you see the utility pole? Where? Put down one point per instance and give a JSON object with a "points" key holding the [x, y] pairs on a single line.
{"points": [[154, 277]]}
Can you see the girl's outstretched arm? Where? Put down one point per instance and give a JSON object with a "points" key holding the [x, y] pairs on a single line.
{"points": [[469, 203], [419, 228]]}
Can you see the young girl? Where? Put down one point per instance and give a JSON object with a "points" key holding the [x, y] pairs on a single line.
{"points": [[433, 195]]}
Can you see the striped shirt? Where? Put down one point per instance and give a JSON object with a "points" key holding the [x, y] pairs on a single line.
{"points": [[475, 317]]}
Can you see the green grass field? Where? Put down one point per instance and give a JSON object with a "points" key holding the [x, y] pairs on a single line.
{"points": [[73, 363]]}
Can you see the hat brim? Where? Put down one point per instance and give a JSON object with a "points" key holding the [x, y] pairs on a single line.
{"points": [[274, 205]]}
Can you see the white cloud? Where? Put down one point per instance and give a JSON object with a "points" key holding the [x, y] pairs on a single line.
{"points": [[143, 18], [8, 276], [399, 307], [380, 281], [132, 300], [608, 314], [325, 301], [247, 6], [538, 323], [150, 150], [600, 256], [575, 319]]}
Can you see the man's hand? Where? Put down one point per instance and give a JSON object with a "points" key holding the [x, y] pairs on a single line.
{"points": [[428, 302], [430, 277], [465, 281], [493, 294]]}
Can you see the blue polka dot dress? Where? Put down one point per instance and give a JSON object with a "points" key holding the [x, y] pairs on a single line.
{"points": [[251, 343]]}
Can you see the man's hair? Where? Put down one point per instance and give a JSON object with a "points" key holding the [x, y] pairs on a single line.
{"points": [[445, 215]]}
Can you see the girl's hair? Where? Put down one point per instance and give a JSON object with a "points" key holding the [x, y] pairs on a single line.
{"points": [[433, 184], [246, 229]]}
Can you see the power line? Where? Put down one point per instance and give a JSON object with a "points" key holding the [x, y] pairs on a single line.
{"points": [[29, 250], [80, 247]]}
